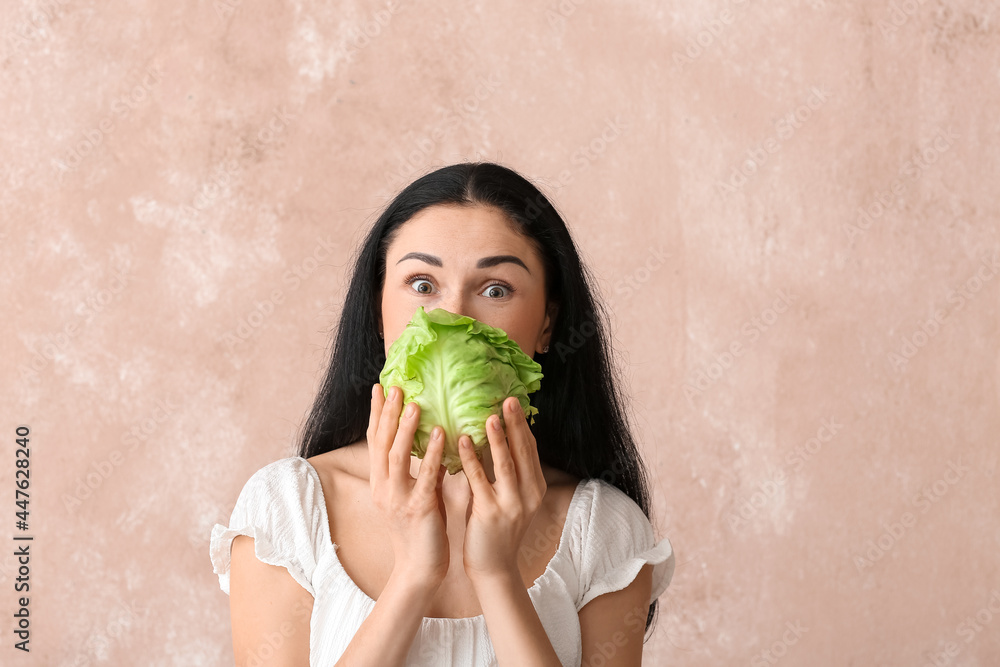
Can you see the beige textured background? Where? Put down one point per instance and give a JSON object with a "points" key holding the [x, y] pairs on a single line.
{"points": [[816, 389]]}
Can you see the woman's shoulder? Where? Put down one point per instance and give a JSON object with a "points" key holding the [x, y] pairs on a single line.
{"points": [[288, 485], [277, 476], [343, 472], [350, 460]]}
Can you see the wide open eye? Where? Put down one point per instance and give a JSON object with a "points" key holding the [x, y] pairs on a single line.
{"points": [[419, 286], [507, 290], [418, 278]]}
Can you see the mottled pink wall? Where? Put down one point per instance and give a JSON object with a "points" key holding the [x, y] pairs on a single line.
{"points": [[170, 170]]}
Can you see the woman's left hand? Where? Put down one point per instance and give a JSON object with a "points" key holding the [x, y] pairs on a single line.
{"points": [[499, 513]]}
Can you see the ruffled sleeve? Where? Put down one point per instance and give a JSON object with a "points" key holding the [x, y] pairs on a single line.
{"points": [[277, 508], [617, 541]]}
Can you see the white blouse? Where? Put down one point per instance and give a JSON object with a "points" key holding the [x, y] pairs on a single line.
{"points": [[605, 541]]}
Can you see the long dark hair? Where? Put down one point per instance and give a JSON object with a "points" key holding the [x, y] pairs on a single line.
{"points": [[581, 425]]}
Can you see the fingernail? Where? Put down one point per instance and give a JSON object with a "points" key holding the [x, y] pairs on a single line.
{"points": [[465, 443], [410, 408], [435, 433], [495, 423], [374, 390]]}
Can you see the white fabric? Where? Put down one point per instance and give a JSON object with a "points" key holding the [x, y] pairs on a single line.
{"points": [[604, 543]]}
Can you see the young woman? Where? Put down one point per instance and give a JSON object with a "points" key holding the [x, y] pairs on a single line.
{"points": [[357, 553]]}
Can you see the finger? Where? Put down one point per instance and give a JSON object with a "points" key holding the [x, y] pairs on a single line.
{"points": [[473, 469], [388, 420], [503, 465], [430, 466], [402, 444], [387, 427], [521, 442], [378, 464]]}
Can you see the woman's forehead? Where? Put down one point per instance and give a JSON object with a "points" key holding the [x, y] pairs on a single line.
{"points": [[462, 234]]}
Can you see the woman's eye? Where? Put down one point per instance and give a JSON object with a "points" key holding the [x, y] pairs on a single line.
{"points": [[492, 291], [416, 286]]}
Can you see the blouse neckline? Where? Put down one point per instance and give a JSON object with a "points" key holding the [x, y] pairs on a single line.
{"points": [[329, 545]]}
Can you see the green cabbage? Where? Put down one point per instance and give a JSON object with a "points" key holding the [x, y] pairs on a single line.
{"points": [[459, 371]]}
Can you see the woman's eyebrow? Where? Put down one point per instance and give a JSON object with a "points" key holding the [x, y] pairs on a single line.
{"points": [[484, 263]]}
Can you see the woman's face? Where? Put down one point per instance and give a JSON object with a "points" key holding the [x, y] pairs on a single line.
{"points": [[470, 261]]}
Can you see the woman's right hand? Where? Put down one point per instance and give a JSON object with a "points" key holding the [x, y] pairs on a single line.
{"points": [[413, 509]]}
